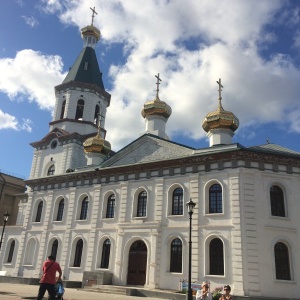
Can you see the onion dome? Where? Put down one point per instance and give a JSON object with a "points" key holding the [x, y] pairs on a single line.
{"points": [[90, 30], [156, 107], [220, 118], [96, 144]]}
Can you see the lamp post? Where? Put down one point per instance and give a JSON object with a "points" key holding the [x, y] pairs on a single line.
{"points": [[5, 219], [190, 206]]}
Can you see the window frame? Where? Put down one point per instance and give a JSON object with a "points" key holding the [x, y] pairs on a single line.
{"points": [[78, 251], [60, 210], [141, 204], [178, 209], [277, 201], [11, 251], [39, 212], [216, 265], [105, 255], [110, 206], [215, 196], [285, 265], [176, 255], [84, 208]]}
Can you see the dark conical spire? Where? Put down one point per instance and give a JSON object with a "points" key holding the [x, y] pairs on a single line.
{"points": [[86, 68]]}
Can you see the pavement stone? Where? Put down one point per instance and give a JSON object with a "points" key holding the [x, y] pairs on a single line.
{"points": [[14, 291]]}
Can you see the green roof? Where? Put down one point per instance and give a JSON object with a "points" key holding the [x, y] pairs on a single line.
{"points": [[86, 69]]}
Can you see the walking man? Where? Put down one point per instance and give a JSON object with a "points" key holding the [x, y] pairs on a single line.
{"points": [[47, 283]]}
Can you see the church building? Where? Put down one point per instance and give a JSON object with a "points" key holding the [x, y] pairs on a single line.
{"points": [[123, 215]]}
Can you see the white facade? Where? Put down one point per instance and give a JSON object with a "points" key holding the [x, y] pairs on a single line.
{"points": [[130, 201]]}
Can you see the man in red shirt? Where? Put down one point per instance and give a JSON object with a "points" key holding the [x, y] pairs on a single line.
{"points": [[47, 283]]}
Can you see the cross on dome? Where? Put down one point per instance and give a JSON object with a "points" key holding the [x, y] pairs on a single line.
{"points": [[157, 85], [220, 88], [93, 15]]}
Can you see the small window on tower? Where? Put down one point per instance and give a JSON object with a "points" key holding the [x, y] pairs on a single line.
{"points": [[86, 64]]}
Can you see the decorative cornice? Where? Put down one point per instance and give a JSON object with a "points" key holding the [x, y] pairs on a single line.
{"points": [[206, 160]]}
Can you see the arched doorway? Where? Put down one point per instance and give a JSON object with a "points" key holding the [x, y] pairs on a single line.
{"points": [[137, 263]]}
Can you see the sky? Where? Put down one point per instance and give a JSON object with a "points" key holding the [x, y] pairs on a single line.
{"points": [[253, 46]]}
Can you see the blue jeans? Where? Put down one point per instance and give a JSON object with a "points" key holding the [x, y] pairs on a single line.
{"points": [[46, 287]]}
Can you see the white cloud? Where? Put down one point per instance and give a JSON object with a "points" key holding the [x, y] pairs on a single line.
{"points": [[8, 121], [31, 75], [51, 6], [31, 21]]}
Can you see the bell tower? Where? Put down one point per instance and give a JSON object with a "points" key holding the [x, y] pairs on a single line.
{"points": [[79, 113]]}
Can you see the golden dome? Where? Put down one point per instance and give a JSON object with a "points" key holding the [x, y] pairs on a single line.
{"points": [[96, 144], [91, 30], [220, 118], [156, 107]]}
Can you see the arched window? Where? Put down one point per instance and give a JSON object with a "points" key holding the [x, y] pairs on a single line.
{"points": [[110, 211], [78, 253], [215, 199], [142, 204], [39, 212], [177, 202], [51, 170], [97, 115], [79, 110], [63, 109], [60, 210], [11, 251], [216, 257], [105, 254], [277, 201], [54, 248], [282, 262], [84, 209], [176, 256]]}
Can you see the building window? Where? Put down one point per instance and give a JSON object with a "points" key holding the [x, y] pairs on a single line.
{"points": [[110, 211], [60, 210], [215, 199], [79, 110], [142, 204], [282, 262], [216, 257], [78, 253], [84, 209], [39, 212], [63, 109], [176, 256], [51, 170], [277, 201], [105, 254], [54, 248], [11, 251], [97, 115], [177, 202]]}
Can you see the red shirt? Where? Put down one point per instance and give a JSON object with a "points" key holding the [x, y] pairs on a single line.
{"points": [[50, 275]]}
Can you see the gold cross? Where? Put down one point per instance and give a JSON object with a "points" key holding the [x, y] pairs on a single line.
{"points": [[157, 85], [93, 15]]}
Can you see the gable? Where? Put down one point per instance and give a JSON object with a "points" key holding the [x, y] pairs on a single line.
{"points": [[148, 148]]}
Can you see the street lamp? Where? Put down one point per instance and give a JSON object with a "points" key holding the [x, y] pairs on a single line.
{"points": [[5, 219], [190, 206]]}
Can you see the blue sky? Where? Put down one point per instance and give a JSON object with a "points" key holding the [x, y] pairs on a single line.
{"points": [[252, 45]]}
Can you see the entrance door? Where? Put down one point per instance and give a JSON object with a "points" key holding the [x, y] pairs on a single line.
{"points": [[137, 264]]}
